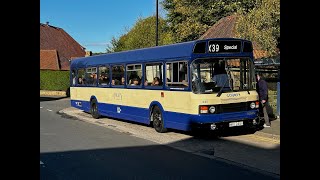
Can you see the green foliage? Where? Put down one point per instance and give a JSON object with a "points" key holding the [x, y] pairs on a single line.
{"points": [[262, 25], [54, 80], [142, 35], [189, 19]]}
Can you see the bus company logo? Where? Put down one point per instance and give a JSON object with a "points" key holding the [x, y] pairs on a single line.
{"points": [[233, 95], [117, 96], [226, 47], [78, 104], [118, 110]]}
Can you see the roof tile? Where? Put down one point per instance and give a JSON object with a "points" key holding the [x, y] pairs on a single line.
{"points": [[54, 38], [225, 28]]}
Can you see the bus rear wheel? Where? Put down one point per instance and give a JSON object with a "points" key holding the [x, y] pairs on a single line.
{"points": [[94, 109], [158, 120]]}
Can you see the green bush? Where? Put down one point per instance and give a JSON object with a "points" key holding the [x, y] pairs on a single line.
{"points": [[54, 80]]}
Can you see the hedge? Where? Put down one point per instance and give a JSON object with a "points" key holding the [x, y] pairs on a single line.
{"points": [[54, 80]]}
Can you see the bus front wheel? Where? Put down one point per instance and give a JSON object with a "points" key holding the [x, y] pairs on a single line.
{"points": [[94, 109], [158, 120]]}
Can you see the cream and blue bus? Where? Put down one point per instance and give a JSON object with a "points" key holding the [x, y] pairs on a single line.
{"points": [[208, 84]]}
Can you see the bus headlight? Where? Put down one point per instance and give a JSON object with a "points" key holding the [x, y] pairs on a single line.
{"points": [[252, 105], [212, 109]]}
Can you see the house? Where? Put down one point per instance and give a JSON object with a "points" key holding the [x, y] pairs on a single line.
{"points": [[57, 48], [225, 28]]}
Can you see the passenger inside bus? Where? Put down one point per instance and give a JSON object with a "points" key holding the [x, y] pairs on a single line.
{"points": [[146, 82], [220, 76], [103, 79], [80, 81], [73, 78], [92, 79], [156, 82], [135, 82], [122, 81], [115, 82]]}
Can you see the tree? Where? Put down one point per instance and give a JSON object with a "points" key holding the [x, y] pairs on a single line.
{"points": [[262, 25], [142, 35], [189, 19]]}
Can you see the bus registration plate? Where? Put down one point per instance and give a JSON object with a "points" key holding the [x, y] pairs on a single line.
{"points": [[239, 123]]}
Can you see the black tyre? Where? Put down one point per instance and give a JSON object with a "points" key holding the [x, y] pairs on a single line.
{"points": [[94, 109], [157, 120]]}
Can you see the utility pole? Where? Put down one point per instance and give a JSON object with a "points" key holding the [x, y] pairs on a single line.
{"points": [[157, 23]]}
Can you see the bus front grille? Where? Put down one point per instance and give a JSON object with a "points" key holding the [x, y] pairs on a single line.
{"points": [[234, 107]]}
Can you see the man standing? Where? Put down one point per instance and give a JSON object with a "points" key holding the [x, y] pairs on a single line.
{"points": [[262, 90]]}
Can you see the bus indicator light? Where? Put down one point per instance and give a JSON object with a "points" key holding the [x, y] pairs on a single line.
{"points": [[162, 94], [204, 109]]}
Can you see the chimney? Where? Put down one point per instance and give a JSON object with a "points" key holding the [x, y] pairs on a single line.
{"points": [[88, 53], [47, 23]]}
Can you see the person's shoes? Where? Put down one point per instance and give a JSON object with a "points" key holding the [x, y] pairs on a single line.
{"points": [[266, 125]]}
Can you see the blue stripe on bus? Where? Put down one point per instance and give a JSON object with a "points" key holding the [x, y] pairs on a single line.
{"points": [[116, 111], [174, 120]]}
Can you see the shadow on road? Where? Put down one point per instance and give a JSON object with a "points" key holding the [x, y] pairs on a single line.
{"points": [[51, 98], [139, 162]]}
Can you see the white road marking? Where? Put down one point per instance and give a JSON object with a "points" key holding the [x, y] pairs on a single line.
{"points": [[49, 109], [41, 162], [41, 107]]}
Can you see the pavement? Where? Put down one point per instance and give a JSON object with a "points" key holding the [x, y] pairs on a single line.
{"points": [[270, 132], [273, 131]]}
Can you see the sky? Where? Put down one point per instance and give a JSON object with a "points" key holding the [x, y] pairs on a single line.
{"points": [[93, 23]]}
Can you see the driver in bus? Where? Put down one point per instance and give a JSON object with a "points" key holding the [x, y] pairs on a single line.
{"points": [[220, 76]]}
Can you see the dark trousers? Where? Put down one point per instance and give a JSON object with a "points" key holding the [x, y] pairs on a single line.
{"points": [[263, 110]]}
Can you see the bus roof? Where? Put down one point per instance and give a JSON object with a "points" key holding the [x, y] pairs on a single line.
{"points": [[173, 51]]}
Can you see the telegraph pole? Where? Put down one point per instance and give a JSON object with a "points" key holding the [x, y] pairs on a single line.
{"points": [[157, 23]]}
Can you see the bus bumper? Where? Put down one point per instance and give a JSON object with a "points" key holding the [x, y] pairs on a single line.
{"points": [[245, 119]]}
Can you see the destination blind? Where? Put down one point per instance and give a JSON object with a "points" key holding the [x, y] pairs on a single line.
{"points": [[224, 46]]}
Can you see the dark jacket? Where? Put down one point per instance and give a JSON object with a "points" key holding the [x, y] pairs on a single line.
{"points": [[262, 90]]}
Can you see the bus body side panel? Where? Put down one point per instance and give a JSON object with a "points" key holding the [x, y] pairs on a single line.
{"points": [[115, 111], [83, 105], [122, 112], [180, 109]]}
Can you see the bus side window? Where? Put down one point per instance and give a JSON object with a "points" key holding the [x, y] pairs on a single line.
{"points": [[80, 76], [91, 76], [177, 74], [117, 75], [134, 74], [104, 75], [153, 73], [73, 78]]}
